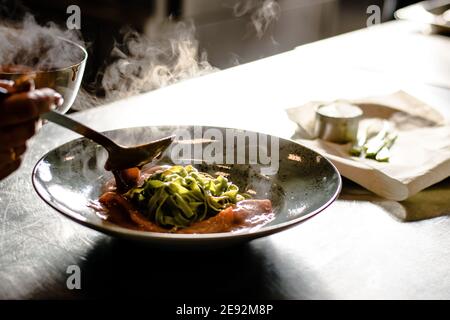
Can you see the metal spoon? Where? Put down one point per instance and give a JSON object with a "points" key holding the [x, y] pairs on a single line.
{"points": [[119, 157]]}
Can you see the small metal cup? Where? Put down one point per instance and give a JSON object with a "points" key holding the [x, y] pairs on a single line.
{"points": [[338, 129]]}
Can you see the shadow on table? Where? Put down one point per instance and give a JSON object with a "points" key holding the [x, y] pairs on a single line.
{"points": [[123, 269], [430, 203]]}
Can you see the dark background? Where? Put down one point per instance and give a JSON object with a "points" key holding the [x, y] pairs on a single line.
{"points": [[222, 35]]}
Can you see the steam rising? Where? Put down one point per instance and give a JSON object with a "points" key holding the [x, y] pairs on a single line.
{"points": [[165, 54], [38, 47], [262, 13], [147, 62], [156, 59]]}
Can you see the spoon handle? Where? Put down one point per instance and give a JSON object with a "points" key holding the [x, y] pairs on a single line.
{"points": [[81, 129]]}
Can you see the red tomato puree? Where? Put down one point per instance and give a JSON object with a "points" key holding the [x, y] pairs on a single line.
{"points": [[245, 215]]}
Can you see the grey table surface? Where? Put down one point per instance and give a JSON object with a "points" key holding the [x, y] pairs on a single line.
{"points": [[358, 248]]}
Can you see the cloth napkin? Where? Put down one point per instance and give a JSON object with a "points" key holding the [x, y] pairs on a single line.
{"points": [[420, 155]]}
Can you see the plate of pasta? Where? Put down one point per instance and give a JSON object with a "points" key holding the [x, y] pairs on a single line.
{"points": [[213, 186]]}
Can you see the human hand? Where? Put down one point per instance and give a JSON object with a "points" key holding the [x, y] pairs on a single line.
{"points": [[19, 120]]}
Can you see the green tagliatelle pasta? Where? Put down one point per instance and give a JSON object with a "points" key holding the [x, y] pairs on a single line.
{"points": [[179, 196]]}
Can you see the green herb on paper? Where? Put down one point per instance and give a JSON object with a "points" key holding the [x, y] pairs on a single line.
{"points": [[376, 147]]}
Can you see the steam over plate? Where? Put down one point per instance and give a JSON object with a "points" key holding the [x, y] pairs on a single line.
{"points": [[299, 182]]}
